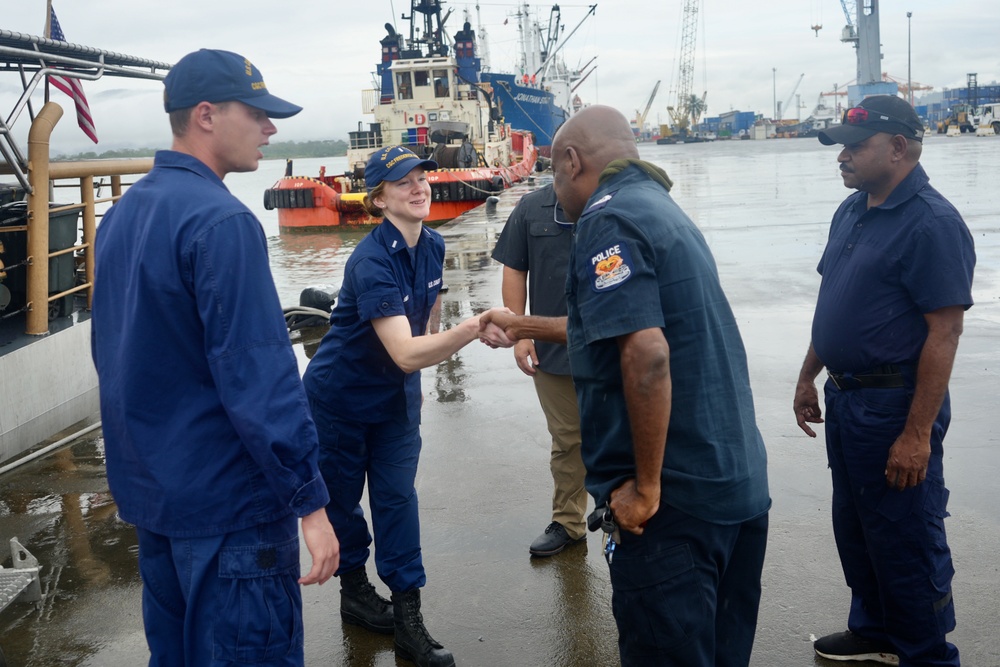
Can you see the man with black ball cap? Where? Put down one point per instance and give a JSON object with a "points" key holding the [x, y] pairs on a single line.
{"points": [[897, 279]]}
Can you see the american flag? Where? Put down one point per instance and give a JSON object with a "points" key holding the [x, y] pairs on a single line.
{"points": [[70, 86]]}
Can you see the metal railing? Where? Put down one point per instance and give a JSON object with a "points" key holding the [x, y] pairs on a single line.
{"points": [[41, 174]]}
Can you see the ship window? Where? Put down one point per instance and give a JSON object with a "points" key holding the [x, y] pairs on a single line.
{"points": [[421, 78], [441, 83], [404, 86]]}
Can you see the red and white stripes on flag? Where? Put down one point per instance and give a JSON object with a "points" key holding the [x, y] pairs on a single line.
{"points": [[71, 86]]}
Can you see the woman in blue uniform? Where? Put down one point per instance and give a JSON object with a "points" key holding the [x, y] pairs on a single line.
{"points": [[364, 389]]}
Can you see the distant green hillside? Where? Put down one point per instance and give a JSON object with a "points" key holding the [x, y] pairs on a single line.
{"points": [[296, 149], [280, 149]]}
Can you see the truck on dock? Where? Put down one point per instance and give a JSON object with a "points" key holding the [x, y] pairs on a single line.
{"points": [[988, 120]]}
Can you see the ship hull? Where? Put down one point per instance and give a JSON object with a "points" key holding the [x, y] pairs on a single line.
{"points": [[313, 204], [527, 108]]}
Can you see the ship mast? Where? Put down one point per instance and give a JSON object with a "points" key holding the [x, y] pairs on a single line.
{"points": [[433, 27], [554, 37], [483, 40]]}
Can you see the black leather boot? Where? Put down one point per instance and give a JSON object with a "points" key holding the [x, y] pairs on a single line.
{"points": [[361, 605], [413, 642]]}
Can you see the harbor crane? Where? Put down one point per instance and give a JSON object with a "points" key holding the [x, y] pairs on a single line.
{"points": [[681, 113], [783, 107], [640, 118], [849, 33], [862, 32]]}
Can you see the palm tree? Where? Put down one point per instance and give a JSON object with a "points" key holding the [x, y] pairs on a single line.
{"points": [[695, 107]]}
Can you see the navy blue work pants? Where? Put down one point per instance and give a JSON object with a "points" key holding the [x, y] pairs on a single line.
{"points": [[892, 543], [223, 600], [386, 455], [686, 591]]}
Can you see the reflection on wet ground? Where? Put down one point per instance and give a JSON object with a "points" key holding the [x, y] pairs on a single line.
{"points": [[60, 508], [484, 484]]}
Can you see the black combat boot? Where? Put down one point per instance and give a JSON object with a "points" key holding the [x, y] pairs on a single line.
{"points": [[413, 642], [361, 605]]}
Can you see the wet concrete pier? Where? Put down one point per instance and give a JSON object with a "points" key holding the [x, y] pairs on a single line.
{"points": [[484, 484]]}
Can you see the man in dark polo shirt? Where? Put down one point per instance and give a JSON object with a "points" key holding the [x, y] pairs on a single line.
{"points": [[534, 249], [897, 279]]}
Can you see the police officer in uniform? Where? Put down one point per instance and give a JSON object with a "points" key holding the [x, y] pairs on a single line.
{"points": [[670, 440]]}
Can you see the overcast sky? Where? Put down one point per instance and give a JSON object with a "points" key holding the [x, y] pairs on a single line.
{"points": [[321, 54]]}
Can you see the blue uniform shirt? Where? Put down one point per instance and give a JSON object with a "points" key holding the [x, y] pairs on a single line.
{"points": [[352, 367], [638, 262], [206, 425], [883, 269]]}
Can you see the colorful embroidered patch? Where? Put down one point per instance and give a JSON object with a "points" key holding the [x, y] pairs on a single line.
{"points": [[612, 266]]}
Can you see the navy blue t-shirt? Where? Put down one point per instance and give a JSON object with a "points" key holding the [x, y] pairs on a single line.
{"points": [[883, 269], [352, 372], [638, 262]]}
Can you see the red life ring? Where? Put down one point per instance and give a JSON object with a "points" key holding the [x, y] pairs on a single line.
{"points": [[419, 118]]}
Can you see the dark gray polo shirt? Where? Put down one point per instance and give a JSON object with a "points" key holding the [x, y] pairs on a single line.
{"points": [[533, 241]]}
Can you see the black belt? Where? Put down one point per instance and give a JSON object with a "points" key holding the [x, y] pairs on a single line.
{"points": [[887, 376]]}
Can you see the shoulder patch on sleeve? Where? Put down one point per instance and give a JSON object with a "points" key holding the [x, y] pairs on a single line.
{"points": [[600, 203], [612, 266]]}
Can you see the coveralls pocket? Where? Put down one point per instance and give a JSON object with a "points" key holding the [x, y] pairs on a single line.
{"points": [[260, 617], [870, 423], [658, 601], [881, 405], [936, 509]]}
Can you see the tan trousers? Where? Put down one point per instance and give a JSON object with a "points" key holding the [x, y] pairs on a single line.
{"points": [[557, 397]]}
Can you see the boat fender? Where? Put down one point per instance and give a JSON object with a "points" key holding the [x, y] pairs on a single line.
{"points": [[497, 183], [315, 305], [322, 297], [268, 205]]}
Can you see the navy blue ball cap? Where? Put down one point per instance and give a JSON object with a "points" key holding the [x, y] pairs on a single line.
{"points": [[211, 75], [878, 113], [393, 163]]}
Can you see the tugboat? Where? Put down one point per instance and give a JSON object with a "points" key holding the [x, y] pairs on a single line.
{"points": [[433, 102]]}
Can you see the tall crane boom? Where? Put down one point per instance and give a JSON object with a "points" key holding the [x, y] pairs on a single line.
{"points": [[850, 32], [784, 107], [862, 32], [640, 118], [681, 113]]}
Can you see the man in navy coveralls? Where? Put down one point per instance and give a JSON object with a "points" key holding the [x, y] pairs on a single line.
{"points": [[897, 279], [211, 450]]}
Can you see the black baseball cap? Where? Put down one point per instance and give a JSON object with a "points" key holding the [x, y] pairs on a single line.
{"points": [[878, 113]]}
